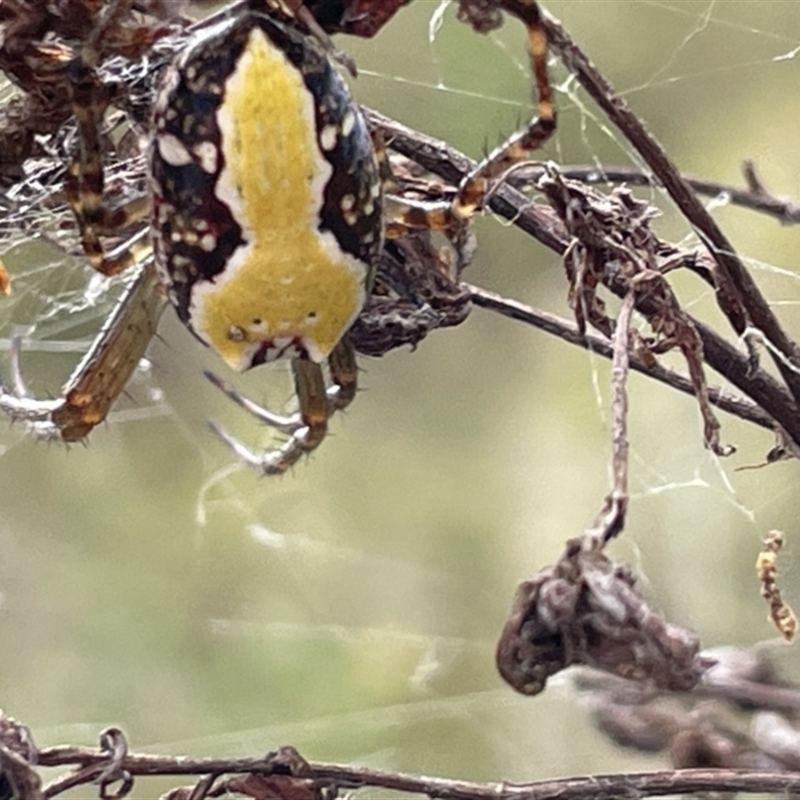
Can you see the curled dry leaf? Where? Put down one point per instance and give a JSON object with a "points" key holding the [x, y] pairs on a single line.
{"points": [[415, 292], [178, 793], [586, 609], [612, 245]]}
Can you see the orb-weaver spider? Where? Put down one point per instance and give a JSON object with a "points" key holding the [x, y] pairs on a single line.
{"points": [[267, 213]]}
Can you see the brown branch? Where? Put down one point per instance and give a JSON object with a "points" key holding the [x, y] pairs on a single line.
{"points": [[597, 787], [611, 519], [785, 210], [751, 693], [729, 721], [568, 331]]}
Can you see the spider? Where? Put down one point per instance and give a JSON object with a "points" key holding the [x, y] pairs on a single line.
{"points": [[267, 212]]}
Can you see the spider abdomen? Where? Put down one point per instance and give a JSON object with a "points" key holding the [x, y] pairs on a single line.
{"points": [[267, 199]]}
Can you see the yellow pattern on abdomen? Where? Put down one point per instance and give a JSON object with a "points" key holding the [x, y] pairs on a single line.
{"points": [[289, 281]]}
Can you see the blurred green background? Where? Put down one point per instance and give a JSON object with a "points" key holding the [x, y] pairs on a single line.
{"points": [[351, 608]]}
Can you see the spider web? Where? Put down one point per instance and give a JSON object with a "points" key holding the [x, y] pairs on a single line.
{"points": [[508, 430]]}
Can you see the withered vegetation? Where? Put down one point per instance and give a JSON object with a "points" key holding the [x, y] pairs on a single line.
{"points": [[726, 715]]}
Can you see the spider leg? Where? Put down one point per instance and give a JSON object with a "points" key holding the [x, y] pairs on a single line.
{"points": [[283, 424], [473, 189], [85, 180], [344, 374], [308, 427], [539, 129], [101, 375]]}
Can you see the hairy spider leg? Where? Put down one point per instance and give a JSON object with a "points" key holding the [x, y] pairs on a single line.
{"points": [[101, 375], [404, 214], [308, 427], [85, 181]]}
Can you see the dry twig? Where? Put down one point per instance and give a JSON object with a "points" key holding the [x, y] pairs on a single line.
{"points": [[738, 295], [285, 775], [743, 715]]}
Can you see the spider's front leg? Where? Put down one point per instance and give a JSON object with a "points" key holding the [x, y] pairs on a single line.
{"points": [[101, 375], [317, 403], [85, 181]]}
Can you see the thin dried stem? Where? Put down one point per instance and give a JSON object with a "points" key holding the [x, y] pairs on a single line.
{"points": [[567, 331], [611, 520], [597, 787], [785, 210]]}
